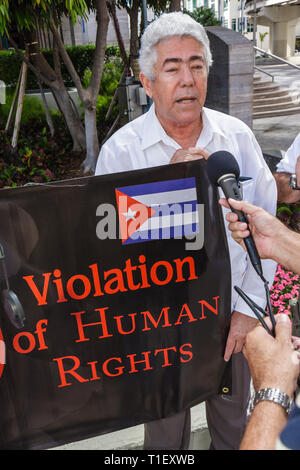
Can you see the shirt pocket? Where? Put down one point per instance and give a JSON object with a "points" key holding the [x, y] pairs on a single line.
{"points": [[247, 187]]}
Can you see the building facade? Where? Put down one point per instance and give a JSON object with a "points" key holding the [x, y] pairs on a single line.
{"points": [[277, 22]]}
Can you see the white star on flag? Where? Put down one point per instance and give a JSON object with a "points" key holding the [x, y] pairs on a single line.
{"points": [[130, 215]]}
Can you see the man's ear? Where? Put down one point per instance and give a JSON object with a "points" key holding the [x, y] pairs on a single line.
{"points": [[146, 82]]}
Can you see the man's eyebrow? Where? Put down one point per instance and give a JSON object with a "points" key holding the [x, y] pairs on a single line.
{"points": [[177, 60]]}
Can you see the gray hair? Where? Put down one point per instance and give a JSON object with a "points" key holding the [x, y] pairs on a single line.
{"points": [[168, 25]]}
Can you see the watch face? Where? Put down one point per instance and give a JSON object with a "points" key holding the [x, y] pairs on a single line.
{"points": [[293, 181]]}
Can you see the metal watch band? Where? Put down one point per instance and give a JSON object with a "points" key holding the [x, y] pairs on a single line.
{"points": [[293, 182], [271, 394]]}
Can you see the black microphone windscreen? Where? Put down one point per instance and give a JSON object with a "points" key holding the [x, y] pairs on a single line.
{"points": [[221, 163]]}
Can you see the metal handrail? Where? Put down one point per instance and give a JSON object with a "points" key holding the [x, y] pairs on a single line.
{"points": [[263, 71], [277, 58]]}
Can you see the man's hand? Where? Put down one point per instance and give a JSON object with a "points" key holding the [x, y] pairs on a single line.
{"points": [[265, 228], [273, 362], [189, 154], [239, 327]]}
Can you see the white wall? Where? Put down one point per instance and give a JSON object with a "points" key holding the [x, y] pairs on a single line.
{"points": [[85, 32]]}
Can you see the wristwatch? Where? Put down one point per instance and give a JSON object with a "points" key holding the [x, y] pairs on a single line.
{"points": [[293, 182], [271, 394]]}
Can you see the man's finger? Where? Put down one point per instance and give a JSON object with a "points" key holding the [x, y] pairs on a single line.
{"points": [[230, 345], [243, 206], [283, 328]]}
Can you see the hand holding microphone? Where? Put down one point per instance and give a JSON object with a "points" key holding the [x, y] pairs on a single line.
{"points": [[266, 229], [223, 170]]}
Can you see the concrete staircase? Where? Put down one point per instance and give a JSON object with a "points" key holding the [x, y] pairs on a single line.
{"points": [[272, 99]]}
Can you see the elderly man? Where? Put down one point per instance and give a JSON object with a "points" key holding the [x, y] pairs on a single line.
{"points": [[174, 62]]}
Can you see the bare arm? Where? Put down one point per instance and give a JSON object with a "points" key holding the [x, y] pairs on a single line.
{"points": [[265, 425], [272, 238], [273, 363]]}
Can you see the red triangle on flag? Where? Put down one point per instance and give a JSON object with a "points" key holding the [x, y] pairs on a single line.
{"points": [[132, 214]]}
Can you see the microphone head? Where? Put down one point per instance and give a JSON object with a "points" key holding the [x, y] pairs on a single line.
{"points": [[221, 163]]}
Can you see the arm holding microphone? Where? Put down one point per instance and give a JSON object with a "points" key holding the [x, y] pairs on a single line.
{"points": [[272, 238], [223, 170], [274, 362]]}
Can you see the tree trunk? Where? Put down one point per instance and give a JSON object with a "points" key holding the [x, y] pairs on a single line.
{"points": [[112, 11], [45, 73], [73, 122], [19, 106], [90, 95], [92, 142], [175, 5], [134, 34]]}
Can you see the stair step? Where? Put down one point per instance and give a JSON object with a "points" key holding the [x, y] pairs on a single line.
{"points": [[291, 97], [276, 106], [282, 112], [262, 84], [266, 87], [270, 94]]}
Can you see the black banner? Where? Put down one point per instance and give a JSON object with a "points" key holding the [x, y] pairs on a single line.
{"points": [[110, 316]]}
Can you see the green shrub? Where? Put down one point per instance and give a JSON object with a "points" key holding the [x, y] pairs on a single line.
{"points": [[81, 56], [32, 110], [110, 78]]}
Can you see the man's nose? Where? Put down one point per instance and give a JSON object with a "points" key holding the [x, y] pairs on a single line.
{"points": [[187, 77]]}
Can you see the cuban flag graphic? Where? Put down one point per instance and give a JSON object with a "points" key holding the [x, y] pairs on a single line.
{"points": [[160, 210]]}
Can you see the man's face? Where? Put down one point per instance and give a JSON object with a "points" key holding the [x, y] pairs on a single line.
{"points": [[179, 88]]}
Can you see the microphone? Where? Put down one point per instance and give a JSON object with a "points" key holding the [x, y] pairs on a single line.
{"points": [[223, 170]]}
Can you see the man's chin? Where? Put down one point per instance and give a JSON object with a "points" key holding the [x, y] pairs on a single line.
{"points": [[186, 118]]}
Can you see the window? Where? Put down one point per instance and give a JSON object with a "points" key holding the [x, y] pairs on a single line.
{"points": [[249, 27], [233, 24]]}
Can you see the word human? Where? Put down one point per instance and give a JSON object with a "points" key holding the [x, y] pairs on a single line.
{"points": [[132, 363], [130, 278]]}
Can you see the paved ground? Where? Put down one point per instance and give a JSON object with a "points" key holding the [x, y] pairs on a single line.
{"points": [[277, 133], [133, 438], [273, 134]]}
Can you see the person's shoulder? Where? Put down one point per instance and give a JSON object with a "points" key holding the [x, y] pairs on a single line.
{"points": [[296, 143], [226, 123], [131, 131]]}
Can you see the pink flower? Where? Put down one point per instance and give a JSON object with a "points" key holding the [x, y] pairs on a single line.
{"points": [[285, 287]]}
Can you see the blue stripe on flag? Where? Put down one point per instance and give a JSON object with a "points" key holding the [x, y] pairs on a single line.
{"points": [[158, 187], [163, 233], [179, 208]]}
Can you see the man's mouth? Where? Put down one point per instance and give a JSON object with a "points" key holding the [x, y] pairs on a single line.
{"points": [[186, 100]]}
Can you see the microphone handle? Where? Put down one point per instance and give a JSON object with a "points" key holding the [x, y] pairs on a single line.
{"points": [[230, 188]]}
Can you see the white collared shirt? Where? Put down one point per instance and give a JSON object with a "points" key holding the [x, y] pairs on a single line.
{"points": [[143, 143], [288, 163]]}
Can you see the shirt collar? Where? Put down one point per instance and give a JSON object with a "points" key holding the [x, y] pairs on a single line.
{"points": [[153, 132]]}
